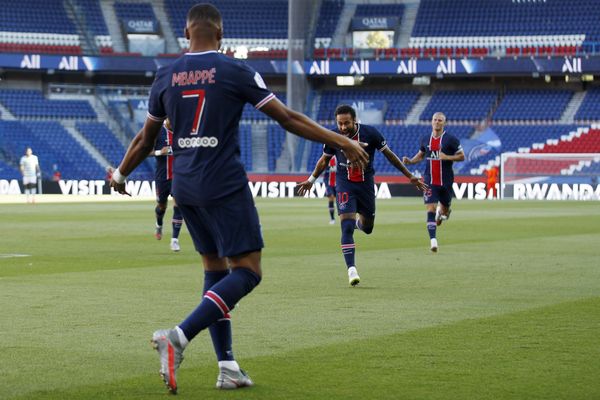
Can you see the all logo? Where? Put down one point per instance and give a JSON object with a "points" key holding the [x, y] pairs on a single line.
{"points": [[572, 65]]}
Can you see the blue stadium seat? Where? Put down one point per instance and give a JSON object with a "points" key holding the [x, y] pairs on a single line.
{"points": [[43, 16], [533, 105], [460, 18], [589, 109], [399, 103], [460, 105], [92, 14], [255, 19], [30, 104]]}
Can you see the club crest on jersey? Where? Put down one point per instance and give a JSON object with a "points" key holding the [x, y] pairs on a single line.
{"points": [[204, 141]]}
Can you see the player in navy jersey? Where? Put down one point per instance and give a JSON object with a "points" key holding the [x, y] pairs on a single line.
{"points": [[441, 150], [203, 94], [162, 177], [355, 185], [329, 181]]}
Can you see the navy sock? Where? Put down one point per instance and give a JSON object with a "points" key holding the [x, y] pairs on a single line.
{"points": [[348, 246], [176, 221], [219, 300], [431, 225], [331, 209], [220, 331], [159, 215]]}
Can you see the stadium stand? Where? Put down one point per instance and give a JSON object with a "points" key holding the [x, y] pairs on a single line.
{"points": [[517, 138], [329, 15], [47, 30], [275, 139], [589, 109], [398, 103], [461, 105], [32, 104], [134, 10], [523, 105], [262, 24], [98, 134], [246, 146], [516, 24], [379, 10], [53, 145], [577, 141], [93, 19], [8, 172]]}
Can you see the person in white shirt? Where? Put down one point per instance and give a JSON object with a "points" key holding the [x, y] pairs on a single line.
{"points": [[30, 169]]}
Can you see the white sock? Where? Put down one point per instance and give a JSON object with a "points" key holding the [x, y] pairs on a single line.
{"points": [[231, 365], [182, 339]]}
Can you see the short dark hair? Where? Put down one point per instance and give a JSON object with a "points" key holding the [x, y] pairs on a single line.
{"points": [[204, 12], [345, 109]]}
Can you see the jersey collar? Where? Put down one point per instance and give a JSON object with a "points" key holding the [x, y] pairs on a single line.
{"points": [[200, 53], [357, 130]]}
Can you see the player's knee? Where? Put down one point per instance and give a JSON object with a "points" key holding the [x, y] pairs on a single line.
{"points": [[347, 226], [368, 229]]}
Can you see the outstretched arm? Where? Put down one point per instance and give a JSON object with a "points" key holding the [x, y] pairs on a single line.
{"points": [[299, 124], [139, 148], [395, 161], [304, 187], [415, 159]]}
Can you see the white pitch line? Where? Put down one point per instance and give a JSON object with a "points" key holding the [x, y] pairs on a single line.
{"points": [[14, 255]]}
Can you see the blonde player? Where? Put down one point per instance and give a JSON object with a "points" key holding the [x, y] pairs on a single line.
{"points": [[30, 169]]}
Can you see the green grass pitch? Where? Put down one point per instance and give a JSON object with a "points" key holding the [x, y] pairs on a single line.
{"points": [[508, 309]]}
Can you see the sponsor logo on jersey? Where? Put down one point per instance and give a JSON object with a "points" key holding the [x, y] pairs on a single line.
{"points": [[204, 141]]}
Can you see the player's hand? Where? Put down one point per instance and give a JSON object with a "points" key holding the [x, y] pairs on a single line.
{"points": [[443, 156], [304, 187], [165, 150], [422, 186], [406, 160], [119, 187], [355, 153]]}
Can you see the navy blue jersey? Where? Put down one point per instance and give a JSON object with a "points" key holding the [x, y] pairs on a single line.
{"points": [[366, 134], [164, 164], [203, 95], [439, 172], [329, 175]]}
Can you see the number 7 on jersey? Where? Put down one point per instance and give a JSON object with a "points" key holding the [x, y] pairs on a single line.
{"points": [[199, 93]]}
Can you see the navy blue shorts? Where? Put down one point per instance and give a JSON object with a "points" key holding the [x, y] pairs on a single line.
{"points": [[329, 190], [163, 190], [357, 198], [436, 193], [228, 229]]}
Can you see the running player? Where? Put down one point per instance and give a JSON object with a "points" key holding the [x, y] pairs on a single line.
{"points": [[30, 169], [203, 94], [329, 180], [162, 178], [355, 186], [441, 150]]}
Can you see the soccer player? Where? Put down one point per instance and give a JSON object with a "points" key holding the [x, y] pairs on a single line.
{"points": [[162, 177], [492, 181], [30, 169], [203, 94], [355, 185], [329, 180], [441, 150]]}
